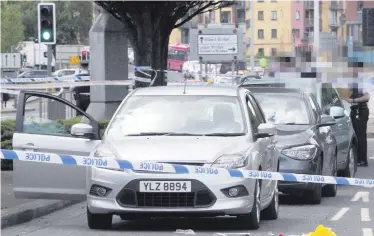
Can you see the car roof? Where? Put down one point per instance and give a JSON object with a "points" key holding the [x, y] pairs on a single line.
{"points": [[208, 90]]}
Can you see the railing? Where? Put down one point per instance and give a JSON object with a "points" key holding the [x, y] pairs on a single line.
{"points": [[309, 22]]}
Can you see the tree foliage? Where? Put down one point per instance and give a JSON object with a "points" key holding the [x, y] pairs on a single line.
{"points": [[11, 26], [149, 25]]}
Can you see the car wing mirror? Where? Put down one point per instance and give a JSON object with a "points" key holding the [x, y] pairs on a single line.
{"points": [[82, 130]]}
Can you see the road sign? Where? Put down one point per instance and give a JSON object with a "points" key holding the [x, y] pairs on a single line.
{"points": [[10, 60], [74, 60], [217, 44]]}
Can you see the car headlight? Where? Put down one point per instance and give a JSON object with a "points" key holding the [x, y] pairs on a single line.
{"points": [[305, 152], [232, 161], [100, 153]]}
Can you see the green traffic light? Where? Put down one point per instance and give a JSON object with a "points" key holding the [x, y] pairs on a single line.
{"points": [[46, 35]]}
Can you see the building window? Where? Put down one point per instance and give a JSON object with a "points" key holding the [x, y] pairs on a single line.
{"points": [[273, 33], [260, 0], [209, 17], [273, 52], [360, 5], [241, 15], [260, 34], [225, 17], [296, 33], [260, 15], [297, 15], [185, 36], [273, 15], [260, 52]]}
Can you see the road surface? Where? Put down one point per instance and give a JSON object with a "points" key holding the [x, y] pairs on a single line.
{"points": [[351, 213]]}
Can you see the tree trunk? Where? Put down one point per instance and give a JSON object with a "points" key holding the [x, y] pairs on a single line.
{"points": [[150, 44]]}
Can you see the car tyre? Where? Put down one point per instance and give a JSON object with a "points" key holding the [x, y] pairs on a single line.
{"points": [[271, 212], [351, 168], [314, 196], [252, 220], [99, 221], [331, 190]]}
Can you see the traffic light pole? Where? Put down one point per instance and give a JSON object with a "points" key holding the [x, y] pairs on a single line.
{"points": [[49, 62]]}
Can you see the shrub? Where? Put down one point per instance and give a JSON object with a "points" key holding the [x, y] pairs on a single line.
{"points": [[8, 127]]}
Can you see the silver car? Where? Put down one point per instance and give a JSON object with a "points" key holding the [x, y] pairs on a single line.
{"points": [[201, 126]]}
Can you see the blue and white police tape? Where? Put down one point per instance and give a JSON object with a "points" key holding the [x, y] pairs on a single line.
{"points": [[48, 79], [149, 166]]}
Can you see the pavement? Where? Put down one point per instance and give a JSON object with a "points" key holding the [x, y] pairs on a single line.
{"points": [[350, 213]]}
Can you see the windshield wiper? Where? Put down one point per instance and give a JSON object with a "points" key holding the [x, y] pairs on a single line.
{"points": [[183, 134], [148, 134], [224, 134]]}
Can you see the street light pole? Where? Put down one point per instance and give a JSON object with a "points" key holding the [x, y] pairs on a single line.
{"points": [[252, 48], [316, 30]]}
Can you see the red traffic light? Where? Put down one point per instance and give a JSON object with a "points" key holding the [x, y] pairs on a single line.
{"points": [[84, 53]]}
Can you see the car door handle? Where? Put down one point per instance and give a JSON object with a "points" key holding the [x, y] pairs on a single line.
{"points": [[29, 146]]}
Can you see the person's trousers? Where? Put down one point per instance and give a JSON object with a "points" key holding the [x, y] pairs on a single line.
{"points": [[360, 117]]}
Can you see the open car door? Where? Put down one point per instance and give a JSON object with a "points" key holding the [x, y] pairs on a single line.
{"points": [[47, 129]]}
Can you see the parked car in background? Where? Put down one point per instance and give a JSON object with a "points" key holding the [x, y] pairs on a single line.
{"points": [[34, 74], [331, 104], [306, 146], [65, 72], [219, 126]]}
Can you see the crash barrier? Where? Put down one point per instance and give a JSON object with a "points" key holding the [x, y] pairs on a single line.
{"points": [[149, 166], [16, 92]]}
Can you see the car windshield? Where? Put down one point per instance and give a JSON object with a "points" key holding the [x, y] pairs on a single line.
{"points": [[179, 115], [284, 109]]}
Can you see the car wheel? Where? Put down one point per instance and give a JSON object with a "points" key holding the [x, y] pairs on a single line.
{"points": [[99, 221], [252, 220], [351, 168], [314, 196], [330, 190], [271, 212]]}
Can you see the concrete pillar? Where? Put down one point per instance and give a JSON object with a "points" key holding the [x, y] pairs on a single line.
{"points": [[108, 61]]}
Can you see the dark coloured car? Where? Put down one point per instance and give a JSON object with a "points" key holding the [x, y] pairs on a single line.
{"points": [[305, 142], [331, 104]]}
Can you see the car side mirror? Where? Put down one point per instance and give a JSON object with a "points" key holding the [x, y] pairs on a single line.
{"points": [[337, 112], [327, 120], [266, 130], [82, 130]]}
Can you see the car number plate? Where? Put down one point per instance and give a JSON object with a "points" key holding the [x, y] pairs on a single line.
{"points": [[165, 186]]}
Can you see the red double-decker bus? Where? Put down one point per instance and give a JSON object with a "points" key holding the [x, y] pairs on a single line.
{"points": [[178, 54]]}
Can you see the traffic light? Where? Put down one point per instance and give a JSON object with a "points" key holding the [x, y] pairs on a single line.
{"points": [[47, 23], [85, 56], [24, 58]]}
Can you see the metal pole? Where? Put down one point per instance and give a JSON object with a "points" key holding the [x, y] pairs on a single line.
{"points": [[252, 47], [49, 63], [316, 29]]}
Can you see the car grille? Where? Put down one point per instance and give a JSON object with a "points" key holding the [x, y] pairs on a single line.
{"points": [[200, 196], [166, 199]]}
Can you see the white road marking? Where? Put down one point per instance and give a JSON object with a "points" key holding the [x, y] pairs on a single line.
{"points": [[231, 234], [361, 195], [365, 214], [367, 232], [371, 158], [340, 214]]}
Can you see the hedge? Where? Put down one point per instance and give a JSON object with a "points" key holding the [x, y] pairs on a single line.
{"points": [[8, 127]]}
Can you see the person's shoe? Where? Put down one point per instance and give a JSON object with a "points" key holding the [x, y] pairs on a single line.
{"points": [[362, 163]]}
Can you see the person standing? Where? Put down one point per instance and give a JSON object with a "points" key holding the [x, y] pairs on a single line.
{"points": [[4, 99], [360, 95]]}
